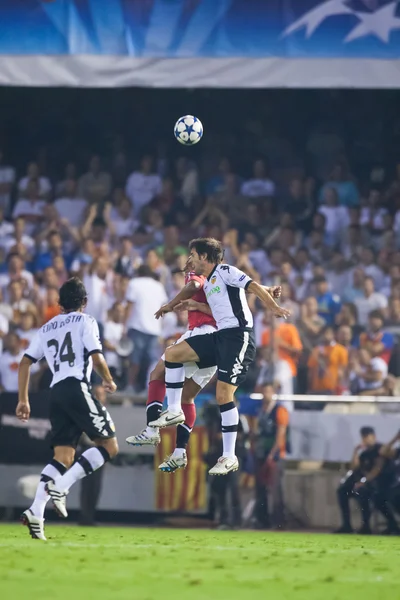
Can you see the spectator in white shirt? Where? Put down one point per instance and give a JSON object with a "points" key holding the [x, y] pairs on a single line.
{"points": [[6, 228], [17, 302], [33, 174], [95, 185], [188, 178], [16, 272], [27, 328], [336, 216], [31, 207], [70, 206], [98, 283], [7, 179], [4, 328], [9, 363], [113, 333], [368, 374], [260, 185], [372, 215], [17, 236], [70, 173], [370, 268], [122, 215], [145, 296], [142, 186], [370, 301]]}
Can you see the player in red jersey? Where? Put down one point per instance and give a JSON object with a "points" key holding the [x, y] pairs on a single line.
{"points": [[200, 321]]}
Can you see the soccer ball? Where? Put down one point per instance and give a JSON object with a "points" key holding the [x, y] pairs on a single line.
{"points": [[188, 130]]}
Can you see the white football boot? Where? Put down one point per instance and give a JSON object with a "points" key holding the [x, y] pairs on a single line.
{"points": [[167, 418], [172, 463], [58, 499], [34, 524], [224, 466], [150, 436]]}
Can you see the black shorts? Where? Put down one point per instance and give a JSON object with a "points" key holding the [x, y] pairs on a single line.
{"points": [[232, 350], [73, 411]]}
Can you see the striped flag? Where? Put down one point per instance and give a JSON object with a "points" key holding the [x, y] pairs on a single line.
{"points": [[186, 489]]}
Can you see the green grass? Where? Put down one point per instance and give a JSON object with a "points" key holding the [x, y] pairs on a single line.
{"points": [[146, 564]]}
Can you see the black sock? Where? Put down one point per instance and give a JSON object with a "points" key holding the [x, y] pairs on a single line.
{"points": [[182, 435]]}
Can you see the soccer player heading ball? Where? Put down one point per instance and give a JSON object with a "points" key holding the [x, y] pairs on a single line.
{"points": [[232, 348]]}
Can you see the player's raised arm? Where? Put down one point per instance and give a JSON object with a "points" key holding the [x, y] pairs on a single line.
{"points": [[185, 294], [266, 298]]}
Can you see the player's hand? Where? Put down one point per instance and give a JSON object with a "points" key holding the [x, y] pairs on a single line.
{"points": [[109, 386], [276, 291], [282, 313], [23, 410], [163, 311]]}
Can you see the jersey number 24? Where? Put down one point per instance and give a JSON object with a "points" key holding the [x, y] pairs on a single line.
{"points": [[66, 352]]}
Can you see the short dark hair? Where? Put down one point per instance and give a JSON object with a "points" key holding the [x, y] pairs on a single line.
{"points": [[367, 430], [73, 295], [320, 279], [375, 314], [211, 247]]}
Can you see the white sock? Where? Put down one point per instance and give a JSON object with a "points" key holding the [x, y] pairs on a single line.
{"points": [[151, 430], [230, 422], [51, 472], [174, 380], [91, 460], [179, 452]]}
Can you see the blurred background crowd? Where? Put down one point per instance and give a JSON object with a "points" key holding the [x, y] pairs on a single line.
{"points": [[96, 192]]}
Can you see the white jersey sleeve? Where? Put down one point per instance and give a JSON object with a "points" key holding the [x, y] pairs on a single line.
{"points": [[91, 336], [35, 350], [234, 277]]}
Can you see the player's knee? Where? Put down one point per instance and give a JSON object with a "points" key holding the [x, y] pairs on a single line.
{"points": [[158, 373], [224, 396], [111, 446], [65, 456], [172, 354]]}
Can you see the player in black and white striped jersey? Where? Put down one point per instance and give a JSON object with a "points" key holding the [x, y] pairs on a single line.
{"points": [[71, 345]]}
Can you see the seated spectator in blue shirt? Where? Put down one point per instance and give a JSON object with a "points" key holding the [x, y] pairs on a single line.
{"points": [[328, 304], [346, 189], [44, 259]]}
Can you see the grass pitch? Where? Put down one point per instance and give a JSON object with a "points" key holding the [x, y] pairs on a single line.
{"points": [[146, 564]]}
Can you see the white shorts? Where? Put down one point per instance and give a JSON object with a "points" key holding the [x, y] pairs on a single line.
{"points": [[192, 371]]}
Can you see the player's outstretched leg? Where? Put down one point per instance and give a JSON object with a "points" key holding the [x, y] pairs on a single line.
{"points": [[178, 459], [91, 460], [230, 422], [150, 436], [33, 517], [175, 356]]}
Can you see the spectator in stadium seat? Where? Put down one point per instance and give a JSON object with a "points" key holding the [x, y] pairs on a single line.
{"points": [[17, 235], [9, 363], [187, 176], [299, 204], [371, 300], [7, 180], [70, 205], [51, 308], [16, 271], [368, 263], [27, 328], [286, 340], [270, 446], [16, 300], [31, 207], [95, 185], [367, 374], [113, 333], [42, 184], [260, 184], [97, 284], [373, 213], [336, 217], [328, 304], [310, 323], [345, 187], [70, 174], [145, 295], [344, 337], [378, 342], [327, 365], [356, 289], [393, 319], [143, 185]]}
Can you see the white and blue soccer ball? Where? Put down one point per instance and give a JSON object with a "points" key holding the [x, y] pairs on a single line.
{"points": [[188, 130]]}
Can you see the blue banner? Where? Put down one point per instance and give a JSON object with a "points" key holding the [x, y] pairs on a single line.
{"points": [[202, 28], [271, 30]]}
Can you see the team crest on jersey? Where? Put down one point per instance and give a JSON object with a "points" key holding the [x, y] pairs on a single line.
{"points": [[213, 279]]}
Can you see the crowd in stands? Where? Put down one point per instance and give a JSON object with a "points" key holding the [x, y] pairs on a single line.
{"points": [[332, 243]]}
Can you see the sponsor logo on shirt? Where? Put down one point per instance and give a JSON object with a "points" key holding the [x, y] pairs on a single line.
{"points": [[213, 279], [214, 290]]}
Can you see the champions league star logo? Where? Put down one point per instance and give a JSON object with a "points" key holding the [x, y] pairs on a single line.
{"points": [[373, 19]]}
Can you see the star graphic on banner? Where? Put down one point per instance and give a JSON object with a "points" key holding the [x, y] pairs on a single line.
{"points": [[380, 23], [313, 19]]}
